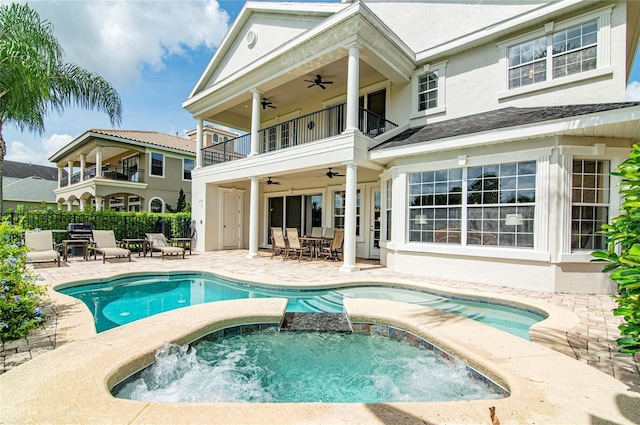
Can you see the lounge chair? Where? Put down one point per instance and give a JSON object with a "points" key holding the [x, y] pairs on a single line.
{"points": [[278, 243], [106, 244], [333, 250], [157, 242], [41, 247]]}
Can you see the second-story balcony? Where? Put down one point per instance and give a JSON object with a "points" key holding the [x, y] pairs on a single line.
{"points": [[109, 172], [312, 127]]}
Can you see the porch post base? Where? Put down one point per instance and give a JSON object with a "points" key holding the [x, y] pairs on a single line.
{"points": [[252, 255], [349, 268]]}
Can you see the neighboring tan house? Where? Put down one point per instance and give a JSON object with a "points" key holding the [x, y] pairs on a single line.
{"points": [[139, 170], [454, 140], [28, 186]]}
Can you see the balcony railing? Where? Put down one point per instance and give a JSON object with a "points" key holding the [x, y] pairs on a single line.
{"points": [[109, 172], [308, 128]]}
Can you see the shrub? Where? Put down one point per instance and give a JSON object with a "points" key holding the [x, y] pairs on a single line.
{"points": [[623, 253], [20, 293]]}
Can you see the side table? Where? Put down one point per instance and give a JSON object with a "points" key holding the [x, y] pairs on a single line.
{"points": [[67, 243], [140, 244]]}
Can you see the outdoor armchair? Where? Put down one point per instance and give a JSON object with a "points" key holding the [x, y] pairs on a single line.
{"points": [[157, 242], [106, 244], [278, 243], [41, 247], [333, 249]]}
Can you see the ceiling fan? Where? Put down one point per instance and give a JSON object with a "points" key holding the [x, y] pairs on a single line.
{"points": [[332, 174], [266, 104], [270, 182], [318, 82]]}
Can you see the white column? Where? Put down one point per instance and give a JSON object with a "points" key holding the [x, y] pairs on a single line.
{"points": [[255, 122], [60, 174], [83, 203], [98, 203], [70, 172], [349, 247], [199, 144], [353, 82], [98, 161], [253, 218], [83, 165], [69, 205]]}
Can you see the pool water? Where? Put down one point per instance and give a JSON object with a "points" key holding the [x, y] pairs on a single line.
{"points": [[124, 300], [274, 367]]}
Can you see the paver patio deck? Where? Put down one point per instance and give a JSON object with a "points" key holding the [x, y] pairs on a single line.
{"points": [[592, 341]]}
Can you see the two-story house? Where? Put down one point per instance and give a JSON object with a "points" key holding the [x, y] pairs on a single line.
{"points": [[127, 170], [461, 140]]}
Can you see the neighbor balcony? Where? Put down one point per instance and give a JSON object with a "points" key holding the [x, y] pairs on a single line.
{"points": [[315, 126], [109, 172]]}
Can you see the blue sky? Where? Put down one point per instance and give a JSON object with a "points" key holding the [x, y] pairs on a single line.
{"points": [[153, 52]]}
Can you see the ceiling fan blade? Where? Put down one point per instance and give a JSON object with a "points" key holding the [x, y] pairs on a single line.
{"points": [[322, 87]]}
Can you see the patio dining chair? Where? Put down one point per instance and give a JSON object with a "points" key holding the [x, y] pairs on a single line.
{"points": [[106, 244], [157, 242], [278, 243], [333, 250], [295, 245], [316, 232], [41, 247]]}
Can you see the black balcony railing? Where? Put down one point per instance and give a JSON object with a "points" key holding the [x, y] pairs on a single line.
{"points": [[308, 128], [109, 172]]}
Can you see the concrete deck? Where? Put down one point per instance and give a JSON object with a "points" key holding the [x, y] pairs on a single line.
{"points": [[588, 335]]}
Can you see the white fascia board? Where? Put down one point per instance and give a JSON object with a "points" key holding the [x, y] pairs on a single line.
{"points": [[344, 12], [499, 29], [73, 145], [532, 131], [246, 12]]}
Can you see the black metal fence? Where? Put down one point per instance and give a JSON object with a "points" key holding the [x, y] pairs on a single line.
{"points": [[124, 225]]}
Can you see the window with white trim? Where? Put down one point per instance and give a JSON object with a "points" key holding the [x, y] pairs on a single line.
{"points": [[187, 166], [157, 164], [388, 208], [339, 204], [590, 194], [483, 205], [565, 51], [156, 205], [428, 91]]}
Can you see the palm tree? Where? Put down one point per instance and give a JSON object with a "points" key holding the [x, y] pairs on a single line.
{"points": [[35, 80]]}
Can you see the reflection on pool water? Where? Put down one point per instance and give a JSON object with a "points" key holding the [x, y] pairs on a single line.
{"points": [[298, 367], [124, 300]]}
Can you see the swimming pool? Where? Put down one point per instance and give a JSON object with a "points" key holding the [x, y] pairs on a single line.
{"points": [[123, 300]]}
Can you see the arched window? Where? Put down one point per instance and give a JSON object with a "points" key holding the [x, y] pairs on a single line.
{"points": [[215, 138], [156, 205]]}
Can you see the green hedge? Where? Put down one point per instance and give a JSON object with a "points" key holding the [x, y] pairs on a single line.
{"points": [[124, 224]]}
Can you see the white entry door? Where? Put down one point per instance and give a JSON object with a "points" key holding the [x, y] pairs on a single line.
{"points": [[374, 235], [232, 220]]}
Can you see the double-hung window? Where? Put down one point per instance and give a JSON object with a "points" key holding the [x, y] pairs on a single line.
{"points": [[428, 86], [564, 51], [428, 91], [339, 210], [157, 164], [388, 208], [482, 205], [590, 193]]}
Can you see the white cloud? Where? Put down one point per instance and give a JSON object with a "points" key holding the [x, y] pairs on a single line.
{"points": [[20, 152], [633, 91], [117, 39]]}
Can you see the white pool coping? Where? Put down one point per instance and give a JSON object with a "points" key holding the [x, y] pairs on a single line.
{"points": [[71, 384]]}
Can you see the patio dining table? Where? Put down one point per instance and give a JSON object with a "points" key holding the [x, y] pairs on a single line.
{"points": [[314, 243]]}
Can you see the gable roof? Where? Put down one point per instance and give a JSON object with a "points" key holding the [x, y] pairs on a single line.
{"points": [[494, 120], [22, 170], [149, 137]]}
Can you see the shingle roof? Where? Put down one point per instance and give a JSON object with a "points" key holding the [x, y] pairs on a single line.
{"points": [[501, 118], [29, 189], [151, 137], [23, 170]]}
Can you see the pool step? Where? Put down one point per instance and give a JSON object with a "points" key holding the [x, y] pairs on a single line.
{"points": [[325, 322]]}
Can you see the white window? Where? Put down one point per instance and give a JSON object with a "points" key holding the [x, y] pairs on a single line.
{"points": [[484, 205], [428, 88], [156, 205], [339, 210], [187, 167], [157, 164], [558, 53], [590, 195], [388, 208]]}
